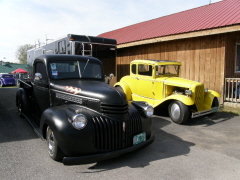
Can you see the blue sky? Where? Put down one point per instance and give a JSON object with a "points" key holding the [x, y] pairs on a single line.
{"points": [[27, 21]]}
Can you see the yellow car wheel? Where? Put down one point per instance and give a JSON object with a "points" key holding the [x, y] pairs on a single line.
{"points": [[178, 112]]}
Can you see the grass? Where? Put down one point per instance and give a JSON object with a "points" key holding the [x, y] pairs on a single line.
{"points": [[9, 87], [233, 110]]}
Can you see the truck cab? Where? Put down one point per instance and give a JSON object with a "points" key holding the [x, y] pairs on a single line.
{"points": [[82, 118]]}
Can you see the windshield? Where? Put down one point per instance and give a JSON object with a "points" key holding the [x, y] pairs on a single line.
{"points": [[7, 76], [76, 69], [168, 70]]}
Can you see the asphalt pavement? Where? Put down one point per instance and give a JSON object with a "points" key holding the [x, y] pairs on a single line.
{"points": [[206, 148]]}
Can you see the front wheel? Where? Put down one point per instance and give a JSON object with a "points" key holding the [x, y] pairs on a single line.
{"points": [[53, 149], [178, 112]]}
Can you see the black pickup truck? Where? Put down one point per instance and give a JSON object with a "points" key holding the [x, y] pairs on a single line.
{"points": [[83, 119]]}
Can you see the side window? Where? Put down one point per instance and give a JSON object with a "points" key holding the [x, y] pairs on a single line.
{"points": [[237, 60], [62, 47], [134, 68], [40, 68], [145, 69]]}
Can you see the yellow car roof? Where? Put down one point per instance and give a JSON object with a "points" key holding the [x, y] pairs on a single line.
{"points": [[156, 62]]}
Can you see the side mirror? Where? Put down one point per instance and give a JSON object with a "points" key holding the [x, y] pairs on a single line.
{"points": [[111, 75], [109, 78], [37, 77]]}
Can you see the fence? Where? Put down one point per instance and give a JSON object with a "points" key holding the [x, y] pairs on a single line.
{"points": [[232, 90]]}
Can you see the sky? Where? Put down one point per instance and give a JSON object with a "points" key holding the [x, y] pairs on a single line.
{"points": [[32, 21]]}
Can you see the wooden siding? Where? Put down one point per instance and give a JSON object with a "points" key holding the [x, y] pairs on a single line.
{"points": [[202, 58]]}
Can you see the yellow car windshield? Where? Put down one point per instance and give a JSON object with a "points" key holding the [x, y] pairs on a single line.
{"points": [[167, 69]]}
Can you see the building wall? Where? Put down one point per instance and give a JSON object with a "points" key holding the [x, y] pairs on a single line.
{"points": [[202, 58]]}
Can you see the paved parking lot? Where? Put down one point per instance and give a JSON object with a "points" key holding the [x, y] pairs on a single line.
{"points": [[205, 148]]}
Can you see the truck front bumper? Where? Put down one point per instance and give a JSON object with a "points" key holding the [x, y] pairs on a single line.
{"points": [[202, 113], [104, 156]]}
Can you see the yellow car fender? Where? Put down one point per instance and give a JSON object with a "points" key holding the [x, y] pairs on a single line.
{"points": [[184, 99], [126, 89], [209, 96]]}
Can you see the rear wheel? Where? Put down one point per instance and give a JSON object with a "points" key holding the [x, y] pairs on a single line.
{"points": [[19, 104], [178, 112], [53, 149]]}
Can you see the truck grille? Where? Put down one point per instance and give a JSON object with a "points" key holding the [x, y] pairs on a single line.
{"points": [[114, 135], [114, 109], [199, 97]]}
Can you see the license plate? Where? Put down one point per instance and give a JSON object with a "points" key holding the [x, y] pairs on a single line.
{"points": [[139, 138], [214, 109]]}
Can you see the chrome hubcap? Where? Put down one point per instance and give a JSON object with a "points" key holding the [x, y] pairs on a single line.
{"points": [[175, 111], [51, 143]]}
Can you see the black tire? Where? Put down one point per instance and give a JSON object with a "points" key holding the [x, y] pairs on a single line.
{"points": [[120, 88], [215, 102], [53, 149], [19, 107], [178, 112]]}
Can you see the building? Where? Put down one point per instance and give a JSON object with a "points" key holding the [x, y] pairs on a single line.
{"points": [[8, 67], [206, 40]]}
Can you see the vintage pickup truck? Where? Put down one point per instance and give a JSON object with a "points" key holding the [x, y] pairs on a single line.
{"points": [[82, 118], [158, 83]]}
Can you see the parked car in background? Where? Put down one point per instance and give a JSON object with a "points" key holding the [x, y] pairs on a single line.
{"points": [[158, 83], [7, 80]]}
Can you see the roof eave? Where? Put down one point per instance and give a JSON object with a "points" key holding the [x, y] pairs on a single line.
{"points": [[205, 32]]}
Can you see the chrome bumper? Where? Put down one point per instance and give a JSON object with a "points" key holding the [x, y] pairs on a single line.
{"points": [[202, 113]]}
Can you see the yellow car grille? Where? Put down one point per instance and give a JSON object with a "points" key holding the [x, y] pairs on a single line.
{"points": [[199, 97]]}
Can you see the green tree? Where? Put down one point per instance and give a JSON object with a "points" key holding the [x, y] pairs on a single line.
{"points": [[21, 53]]}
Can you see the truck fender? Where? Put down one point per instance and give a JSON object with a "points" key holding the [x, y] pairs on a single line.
{"points": [[22, 96], [126, 89]]}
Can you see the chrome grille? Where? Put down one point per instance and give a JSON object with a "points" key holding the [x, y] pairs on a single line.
{"points": [[111, 135], [199, 97], [114, 109]]}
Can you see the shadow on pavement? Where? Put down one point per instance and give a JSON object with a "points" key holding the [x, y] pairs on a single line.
{"points": [[12, 127], [165, 146], [210, 120]]}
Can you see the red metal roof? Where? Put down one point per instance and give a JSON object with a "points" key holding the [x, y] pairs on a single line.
{"points": [[223, 13]]}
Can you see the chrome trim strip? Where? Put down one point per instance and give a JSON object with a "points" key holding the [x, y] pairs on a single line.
{"points": [[202, 113], [83, 97]]}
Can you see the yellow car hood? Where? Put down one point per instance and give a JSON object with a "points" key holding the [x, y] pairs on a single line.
{"points": [[176, 81]]}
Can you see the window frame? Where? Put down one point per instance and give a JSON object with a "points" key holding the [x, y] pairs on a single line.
{"points": [[237, 54]]}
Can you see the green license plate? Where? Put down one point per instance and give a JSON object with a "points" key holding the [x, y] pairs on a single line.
{"points": [[214, 109], [139, 138]]}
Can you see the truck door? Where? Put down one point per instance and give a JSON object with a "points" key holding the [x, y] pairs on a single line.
{"points": [[41, 88]]}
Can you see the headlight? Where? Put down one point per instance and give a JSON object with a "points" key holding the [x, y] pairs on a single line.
{"points": [[188, 92], [148, 111], [79, 121]]}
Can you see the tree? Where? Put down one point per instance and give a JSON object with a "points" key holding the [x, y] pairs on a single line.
{"points": [[21, 53]]}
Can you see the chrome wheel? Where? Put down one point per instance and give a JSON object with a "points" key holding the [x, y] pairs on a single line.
{"points": [[178, 112], [50, 141], [19, 108], [175, 111], [53, 149]]}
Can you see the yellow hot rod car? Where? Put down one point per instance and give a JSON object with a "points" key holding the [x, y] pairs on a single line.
{"points": [[158, 83]]}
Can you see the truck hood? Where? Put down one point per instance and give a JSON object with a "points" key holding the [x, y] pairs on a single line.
{"points": [[92, 89], [176, 81]]}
